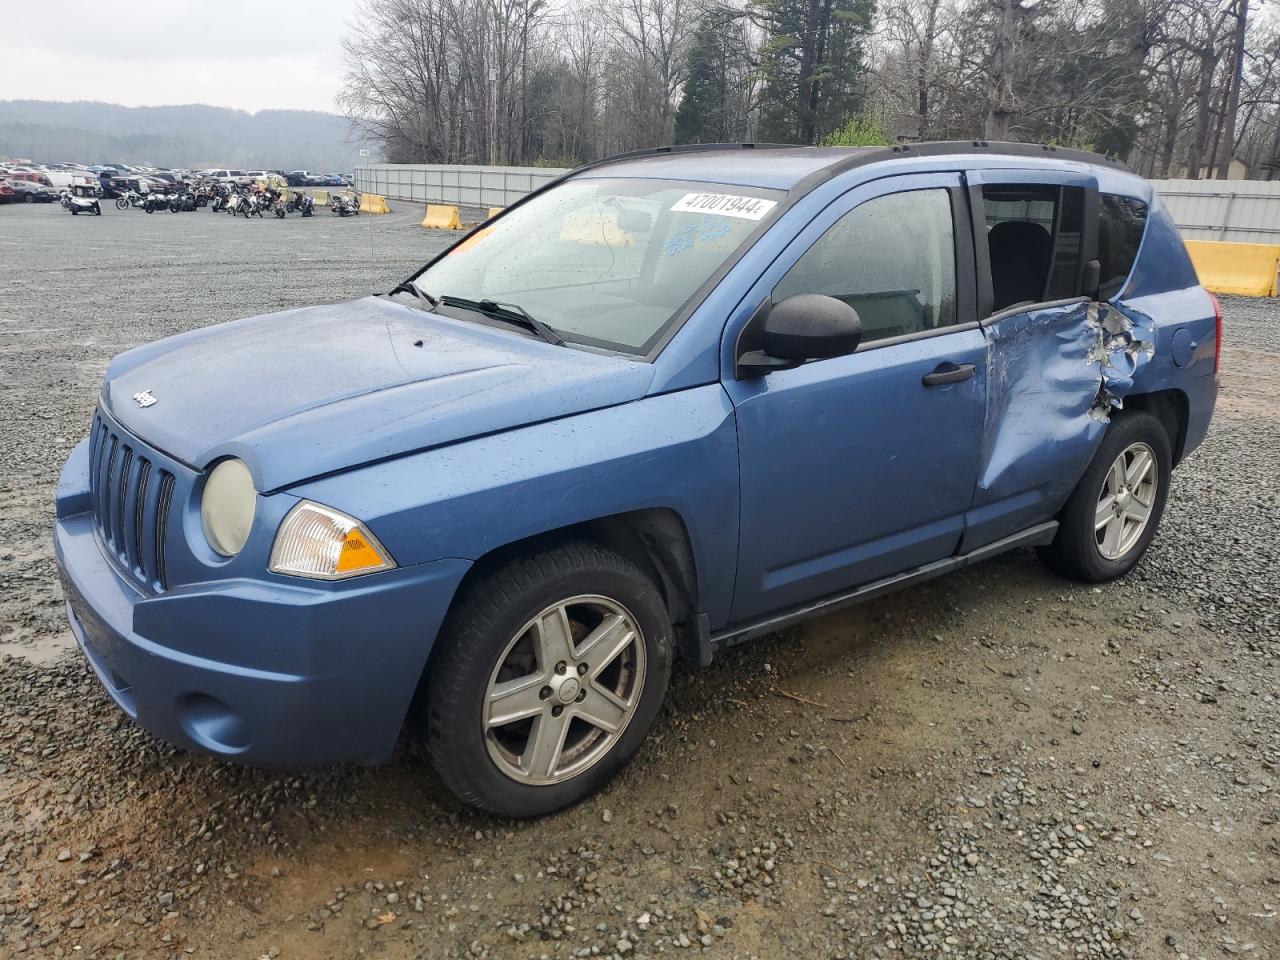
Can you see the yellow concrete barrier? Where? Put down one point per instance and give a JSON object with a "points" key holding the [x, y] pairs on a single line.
{"points": [[321, 197], [1245, 269], [494, 211], [373, 203], [442, 217]]}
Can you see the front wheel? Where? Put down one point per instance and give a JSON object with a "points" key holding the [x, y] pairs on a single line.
{"points": [[551, 671], [1112, 516], [122, 204]]}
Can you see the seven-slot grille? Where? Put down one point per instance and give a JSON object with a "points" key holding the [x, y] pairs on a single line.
{"points": [[131, 498]]}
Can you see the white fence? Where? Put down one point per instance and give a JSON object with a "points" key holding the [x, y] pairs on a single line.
{"points": [[1244, 211], [471, 186], [1240, 210]]}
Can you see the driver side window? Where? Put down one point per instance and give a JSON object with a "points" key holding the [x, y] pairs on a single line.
{"points": [[892, 258]]}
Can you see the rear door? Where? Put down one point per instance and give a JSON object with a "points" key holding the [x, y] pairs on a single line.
{"points": [[1035, 237]]}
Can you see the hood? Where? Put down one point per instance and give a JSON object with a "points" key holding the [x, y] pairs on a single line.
{"points": [[312, 391]]}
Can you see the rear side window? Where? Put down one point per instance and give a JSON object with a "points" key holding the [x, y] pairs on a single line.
{"points": [[891, 258], [1034, 238], [1121, 222]]}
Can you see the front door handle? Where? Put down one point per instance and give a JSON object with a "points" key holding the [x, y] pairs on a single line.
{"points": [[948, 373]]}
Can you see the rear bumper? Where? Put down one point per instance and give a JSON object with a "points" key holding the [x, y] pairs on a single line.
{"points": [[337, 669]]}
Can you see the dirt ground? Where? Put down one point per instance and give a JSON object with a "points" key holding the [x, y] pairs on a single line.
{"points": [[997, 764]]}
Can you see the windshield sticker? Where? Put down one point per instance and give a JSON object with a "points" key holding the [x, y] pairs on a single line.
{"points": [[708, 229], [725, 204]]}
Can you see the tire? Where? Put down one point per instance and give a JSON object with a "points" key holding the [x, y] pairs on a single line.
{"points": [[28, 198], [149, 208], [97, 210], [122, 204], [492, 626], [279, 213], [75, 212], [1087, 551]]}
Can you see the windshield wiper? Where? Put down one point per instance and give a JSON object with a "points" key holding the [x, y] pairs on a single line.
{"points": [[410, 287], [510, 312]]}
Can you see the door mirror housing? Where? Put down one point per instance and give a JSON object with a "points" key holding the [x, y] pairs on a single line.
{"points": [[807, 326]]}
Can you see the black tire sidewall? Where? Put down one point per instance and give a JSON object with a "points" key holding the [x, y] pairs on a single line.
{"points": [[460, 678], [1078, 542]]}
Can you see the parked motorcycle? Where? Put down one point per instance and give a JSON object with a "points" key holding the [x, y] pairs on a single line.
{"points": [[344, 205], [237, 203], [257, 202], [302, 203], [81, 204], [155, 201], [182, 201], [130, 198], [218, 199]]}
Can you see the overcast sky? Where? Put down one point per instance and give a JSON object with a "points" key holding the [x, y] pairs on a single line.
{"points": [[229, 53]]}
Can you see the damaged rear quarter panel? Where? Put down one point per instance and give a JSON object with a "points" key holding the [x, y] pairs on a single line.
{"points": [[1055, 374]]}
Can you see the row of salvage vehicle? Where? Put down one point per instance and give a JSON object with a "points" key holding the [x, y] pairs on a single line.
{"points": [[219, 199]]}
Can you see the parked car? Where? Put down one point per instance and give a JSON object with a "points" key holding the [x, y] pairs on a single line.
{"points": [[31, 176], [31, 191], [300, 178], [76, 181], [669, 402], [227, 176], [117, 185], [7, 193]]}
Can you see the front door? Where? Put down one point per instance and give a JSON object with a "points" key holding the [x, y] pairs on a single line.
{"points": [[861, 466]]}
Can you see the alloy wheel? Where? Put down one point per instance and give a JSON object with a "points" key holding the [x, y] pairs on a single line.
{"points": [[564, 690], [1125, 503]]}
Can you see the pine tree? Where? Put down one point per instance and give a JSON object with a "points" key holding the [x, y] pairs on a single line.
{"points": [[812, 64], [702, 115]]}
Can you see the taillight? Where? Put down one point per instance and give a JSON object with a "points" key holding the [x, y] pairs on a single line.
{"points": [[1217, 332]]}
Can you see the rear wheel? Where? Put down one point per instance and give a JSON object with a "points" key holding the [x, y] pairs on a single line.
{"points": [[1112, 516], [550, 673]]}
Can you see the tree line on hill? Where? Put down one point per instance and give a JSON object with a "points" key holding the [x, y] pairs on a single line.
{"points": [[1175, 87], [193, 135]]}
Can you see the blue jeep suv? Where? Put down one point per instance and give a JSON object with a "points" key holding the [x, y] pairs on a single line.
{"points": [[669, 402]]}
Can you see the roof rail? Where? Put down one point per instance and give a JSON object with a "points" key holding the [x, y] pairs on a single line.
{"points": [[928, 148], [680, 148], [933, 148]]}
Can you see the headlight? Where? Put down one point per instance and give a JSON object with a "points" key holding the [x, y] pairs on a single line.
{"points": [[227, 507], [325, 544]]}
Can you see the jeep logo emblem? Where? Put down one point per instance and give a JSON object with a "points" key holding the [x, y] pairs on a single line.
{"points": [[144, 399]]}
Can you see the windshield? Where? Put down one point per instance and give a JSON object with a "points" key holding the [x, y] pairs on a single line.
{"points": [[604, 261]]}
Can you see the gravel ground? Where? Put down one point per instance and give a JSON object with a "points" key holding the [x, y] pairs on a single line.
{"points": [[995, 764]]}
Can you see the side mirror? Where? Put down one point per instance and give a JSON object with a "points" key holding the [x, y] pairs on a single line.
{"points": [[807, 326]]}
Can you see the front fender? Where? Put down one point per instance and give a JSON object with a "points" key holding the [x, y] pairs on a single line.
{"points": [[677, 451]]}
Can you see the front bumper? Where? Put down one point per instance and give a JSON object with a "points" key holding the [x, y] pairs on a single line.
{"points": [[265, 672]]}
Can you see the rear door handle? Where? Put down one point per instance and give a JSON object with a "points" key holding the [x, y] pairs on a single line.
{"points": [[948, 373]]}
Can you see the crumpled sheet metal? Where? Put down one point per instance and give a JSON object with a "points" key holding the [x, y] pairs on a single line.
{"points": [[1054, 376]]}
